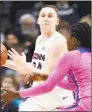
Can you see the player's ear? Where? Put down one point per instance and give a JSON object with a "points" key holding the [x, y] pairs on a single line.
{"points": [[74, 40]]}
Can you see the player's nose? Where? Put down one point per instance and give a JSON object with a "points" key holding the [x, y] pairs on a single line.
{"points": [[46, 18]]}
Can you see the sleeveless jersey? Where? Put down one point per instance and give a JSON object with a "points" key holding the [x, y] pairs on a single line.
{"points": [[40, 55]]}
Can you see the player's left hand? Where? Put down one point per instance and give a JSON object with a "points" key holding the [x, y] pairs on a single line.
{"points": [[8, 96]]}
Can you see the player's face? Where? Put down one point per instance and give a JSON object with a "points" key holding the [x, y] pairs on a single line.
{"points": [[71, 43], [48, 18]]}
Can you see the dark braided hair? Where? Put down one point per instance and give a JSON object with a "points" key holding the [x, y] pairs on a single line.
{"points": [[82, 32]]}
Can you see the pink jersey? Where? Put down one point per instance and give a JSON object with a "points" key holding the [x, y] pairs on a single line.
{"points": [[78, 67]]}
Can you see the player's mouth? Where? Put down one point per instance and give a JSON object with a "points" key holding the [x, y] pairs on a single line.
{"points": [[46, 24]]}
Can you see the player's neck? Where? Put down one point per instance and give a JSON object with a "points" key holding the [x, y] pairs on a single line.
{"points": [[47, 34]]}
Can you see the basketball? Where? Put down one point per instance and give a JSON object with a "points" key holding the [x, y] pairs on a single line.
{"points": [[3, 54]]}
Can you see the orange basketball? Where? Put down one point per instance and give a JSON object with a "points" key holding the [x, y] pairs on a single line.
{"points": [[3, 54]]}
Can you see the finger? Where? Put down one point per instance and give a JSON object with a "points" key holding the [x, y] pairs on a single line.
{"points": [[11, 53], [28, 82], [23, 54], [3, 106], [27, 79], [27, 76], [32, 74], [12, 57], [14, 51]]}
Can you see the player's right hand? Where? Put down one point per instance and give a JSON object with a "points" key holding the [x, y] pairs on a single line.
{"points": [[16, 58]]}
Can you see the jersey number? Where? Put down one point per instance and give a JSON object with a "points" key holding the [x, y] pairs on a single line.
{"points": [[38, 66]]}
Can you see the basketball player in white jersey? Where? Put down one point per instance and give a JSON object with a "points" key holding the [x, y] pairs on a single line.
{"points": [[50, 46]]}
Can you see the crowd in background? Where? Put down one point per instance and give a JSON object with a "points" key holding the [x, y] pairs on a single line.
{"points": [[19, 30]]}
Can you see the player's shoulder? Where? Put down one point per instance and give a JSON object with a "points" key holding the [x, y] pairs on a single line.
{"points": [[73, 54], [59, 40], [58, 44], [59, 37], [38, 39]]}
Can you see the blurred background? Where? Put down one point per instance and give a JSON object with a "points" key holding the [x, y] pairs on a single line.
{"points": [[19, 30]]}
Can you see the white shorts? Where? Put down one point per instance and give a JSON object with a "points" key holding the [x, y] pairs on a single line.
{"points": [[48, 101]]}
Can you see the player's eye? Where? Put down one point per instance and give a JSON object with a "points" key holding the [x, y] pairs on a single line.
{"points": [[43, 15], [50, 16]]}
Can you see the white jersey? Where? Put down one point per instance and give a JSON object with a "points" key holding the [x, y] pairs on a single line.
{"points": [[40, 55], [53, 99]]}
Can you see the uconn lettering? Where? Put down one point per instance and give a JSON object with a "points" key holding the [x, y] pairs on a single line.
{"points": [[39, 56]]}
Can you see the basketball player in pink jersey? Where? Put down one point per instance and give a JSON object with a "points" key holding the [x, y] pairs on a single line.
{"points": [[76, 63], [50, 46]]}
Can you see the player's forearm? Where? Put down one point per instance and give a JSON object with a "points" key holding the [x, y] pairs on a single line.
{"points": [[35, 91]]}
